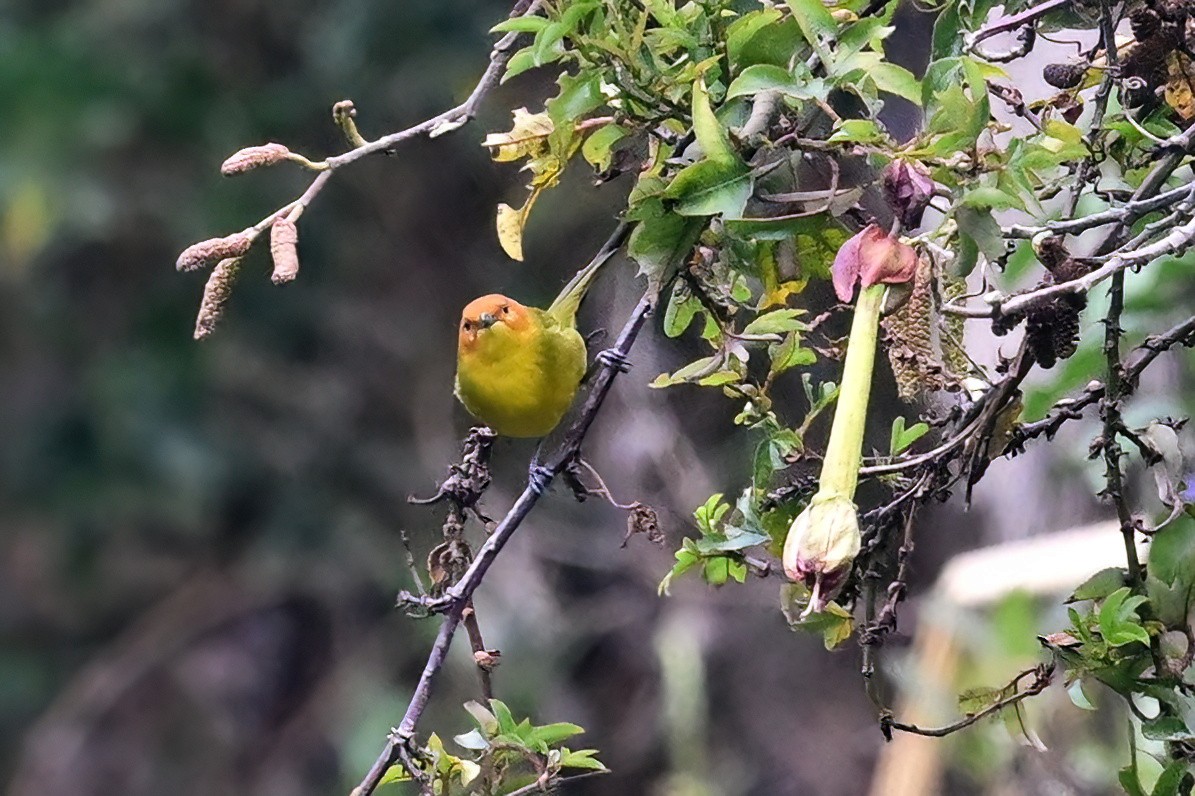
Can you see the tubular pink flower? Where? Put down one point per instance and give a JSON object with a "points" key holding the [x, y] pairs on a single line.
{"points": [[869, 258]]}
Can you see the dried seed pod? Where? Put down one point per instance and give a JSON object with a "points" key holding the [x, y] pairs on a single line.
{"points": [[284, 239], [213, 250], [1051, 251], [1144, 23], [643, 519], [1067, 75], [909, 334], [252, 157], [954, 357], [215, 296], [1145, 69], [1052, 328], [1069, 106]]}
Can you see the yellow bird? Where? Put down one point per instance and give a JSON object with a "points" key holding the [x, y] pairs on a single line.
{"points": [[518, 367]]}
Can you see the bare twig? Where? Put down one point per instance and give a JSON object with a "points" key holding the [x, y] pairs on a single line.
{"points": [[1110, 407], [554, 785], [485, 659], [1041, 680], [1128, 212], [1010, 23]]}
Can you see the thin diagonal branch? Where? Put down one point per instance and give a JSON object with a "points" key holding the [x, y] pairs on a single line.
{"points": [[1041, 680], [457, 597]]}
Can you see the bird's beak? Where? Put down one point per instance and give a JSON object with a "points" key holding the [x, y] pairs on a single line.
{"points": [[487, 320]]}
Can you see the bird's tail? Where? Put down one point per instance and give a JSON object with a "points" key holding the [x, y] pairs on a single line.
{"points": [[564, 308]]}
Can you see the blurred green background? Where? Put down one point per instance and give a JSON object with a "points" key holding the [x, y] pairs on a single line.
{"points": [[200, 542]]}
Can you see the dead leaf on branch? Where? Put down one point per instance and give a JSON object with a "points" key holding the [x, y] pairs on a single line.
{"points": [[528, 137], [1180, 84], [547, 151]]}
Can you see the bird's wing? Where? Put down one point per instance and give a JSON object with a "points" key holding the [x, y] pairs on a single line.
{"points": [[564, 308]]}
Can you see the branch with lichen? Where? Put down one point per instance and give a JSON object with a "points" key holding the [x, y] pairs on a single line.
{"points": [[225, 253]]}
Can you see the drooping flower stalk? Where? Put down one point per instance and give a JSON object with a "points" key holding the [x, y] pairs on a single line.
{"points": [[844, 454], [824, 539]]}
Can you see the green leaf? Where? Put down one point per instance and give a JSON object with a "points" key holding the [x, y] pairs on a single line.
{"points": [[1119, 623], [777, 322], [396, 773], [1129, 780], [1078, 696], [903, 437], [1099, 585], [1167, 728], [1170, 583], [867, 32], [598, 148], [552, 734], [698, 368], [980, 232], [1172, 552], [710, 513], [817, 26], [548, 45], [789, 354], [762, 37], [716, 570], [896, 80], [661, 239], [685, 560], [522, 24], [990, 197], [948, 39], [519, 63], [766, 77], [1171, 781], [682, 308], [712, 187], [857, 131], [506, 722], [578, 95], [720, 378], [711, 135], [582, 758]]}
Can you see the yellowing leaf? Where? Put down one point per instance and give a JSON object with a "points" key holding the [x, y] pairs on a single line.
{"points": [[528, 137], [510, 224], [777, 296], [1180, 93]]}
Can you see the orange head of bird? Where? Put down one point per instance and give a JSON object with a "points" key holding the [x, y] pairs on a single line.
{"points": [[482, 314]]}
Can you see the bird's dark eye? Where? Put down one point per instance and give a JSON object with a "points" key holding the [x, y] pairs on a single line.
{"points": [[468, 326], [505, 310]]}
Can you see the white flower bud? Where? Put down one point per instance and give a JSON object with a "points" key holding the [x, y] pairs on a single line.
{"points": [[821, 544]]}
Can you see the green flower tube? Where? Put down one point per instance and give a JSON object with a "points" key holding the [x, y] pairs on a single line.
{"points": [[824, 539]]}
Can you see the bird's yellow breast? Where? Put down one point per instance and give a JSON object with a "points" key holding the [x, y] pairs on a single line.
{"points": [[521, 380]]}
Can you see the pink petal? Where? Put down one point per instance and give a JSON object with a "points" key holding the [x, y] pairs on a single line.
{"points": [[845, 270]]}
